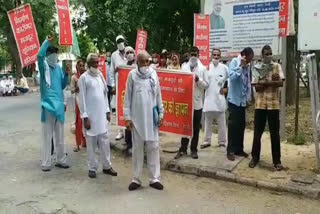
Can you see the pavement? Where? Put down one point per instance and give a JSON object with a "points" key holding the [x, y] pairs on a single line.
{"points": [[26, 189]]}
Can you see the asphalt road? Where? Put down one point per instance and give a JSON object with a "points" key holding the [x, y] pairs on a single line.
{"points": [[26, 189]]}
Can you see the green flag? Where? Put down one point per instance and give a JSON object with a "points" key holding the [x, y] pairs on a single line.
{"points": [[75, 50]]}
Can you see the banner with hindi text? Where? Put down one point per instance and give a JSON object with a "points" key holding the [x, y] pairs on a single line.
{"points": [[25, 34], [141, 42], [202, 37], [177, 98], [64, 21]]}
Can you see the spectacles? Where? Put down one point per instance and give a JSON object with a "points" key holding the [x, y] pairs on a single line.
{"points": [[129, 52], [268, 54], [194, 54], [216, 55]]}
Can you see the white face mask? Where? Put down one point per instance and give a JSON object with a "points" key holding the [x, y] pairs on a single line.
{"points": [[94, 70], [52, 59], [215, 62], [144, 69], [130, 57], [155, 60], [193, 61], [121, 46]]}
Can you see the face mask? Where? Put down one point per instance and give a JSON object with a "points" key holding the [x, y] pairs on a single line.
{"points": [[267, 59], [155, 60], [94, 70], [193, 61], [120, 46], [130, 57], [215, 62], [52, 59], [144, 69]]}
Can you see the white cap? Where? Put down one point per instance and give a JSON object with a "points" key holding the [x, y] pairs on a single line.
{"points": [[10, 76], [128, 48], [119, 37], [164, 51]]}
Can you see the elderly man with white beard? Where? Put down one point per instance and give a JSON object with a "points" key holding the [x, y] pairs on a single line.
{"points": [[95, 112], [143, 112]]}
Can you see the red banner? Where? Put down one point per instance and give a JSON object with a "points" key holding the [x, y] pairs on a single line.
{"points": [[141, 42], [202, 37], [283, 18], [177, 98], [64, 20], [102, 66], [25, 34]]}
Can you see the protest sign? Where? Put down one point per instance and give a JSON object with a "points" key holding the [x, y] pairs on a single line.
{"points": [[284, 18], [64, 21], [201, 37], [25, 34], [177, 98], [141, 42], [102, 66]]}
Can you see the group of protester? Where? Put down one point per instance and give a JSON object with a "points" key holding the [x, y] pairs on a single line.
{"points": [[215, 90], [8, 88]]}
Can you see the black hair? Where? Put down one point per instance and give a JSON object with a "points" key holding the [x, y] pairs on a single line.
{"points": [[195, 49], [52, 50], [265, 48], [216, 49], [247, 52], [163, 56]]}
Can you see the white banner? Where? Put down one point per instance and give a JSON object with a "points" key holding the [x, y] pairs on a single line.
{"points": [[236, 24]]}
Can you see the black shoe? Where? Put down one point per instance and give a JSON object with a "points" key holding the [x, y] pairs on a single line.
{"points": [[46, 170], [242, 154], [62, 165], [230, 156], [110, 172], [134, 186], [156, 185], [180, 154], [92, 174], [203, 146], [194, 155], [253, 163]]}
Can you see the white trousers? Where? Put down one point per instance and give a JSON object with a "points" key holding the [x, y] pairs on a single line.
{"points": [[52, 129], [220, 117], [102, 143], [153, 158]]}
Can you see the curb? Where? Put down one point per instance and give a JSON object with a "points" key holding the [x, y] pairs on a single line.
{"points": [[34, 90], [172, 165]]}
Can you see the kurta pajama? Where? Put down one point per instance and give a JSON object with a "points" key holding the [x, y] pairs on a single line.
{"points": [[93, 104], [140, 98], [52, 109], [215, 103]]}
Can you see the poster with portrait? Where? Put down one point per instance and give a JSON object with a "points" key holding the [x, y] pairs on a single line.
{"points": [[236, 24]]}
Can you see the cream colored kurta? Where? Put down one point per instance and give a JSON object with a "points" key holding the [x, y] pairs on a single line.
{"points": [[139, 102], [93, 103]]}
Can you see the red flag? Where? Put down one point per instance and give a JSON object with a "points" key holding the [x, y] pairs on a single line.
{"points": [[141, 42], [64, 20], [102, 66], [283, 18], [201, 37], [25, 34]]}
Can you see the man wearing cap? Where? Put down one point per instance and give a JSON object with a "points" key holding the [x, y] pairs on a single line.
{"points": [[52, 82], [117, 59]]}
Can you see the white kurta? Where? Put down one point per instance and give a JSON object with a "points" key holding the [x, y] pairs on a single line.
{"points": [[139, 102], [93, 103], [117, 60], [200, 86], [214, 101]]}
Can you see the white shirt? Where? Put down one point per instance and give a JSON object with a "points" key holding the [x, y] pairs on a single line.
{"points": [[117, 60], [200, 86], [109, 81], [139, 102], [214, 101], [93, 103]]}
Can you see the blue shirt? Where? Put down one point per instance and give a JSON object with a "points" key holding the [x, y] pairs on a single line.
{"points": [[51, 98], [239, 83]]}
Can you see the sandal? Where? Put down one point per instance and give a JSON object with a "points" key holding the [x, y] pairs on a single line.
{"points": [[77, 149], [278, 167], [253, 163]]}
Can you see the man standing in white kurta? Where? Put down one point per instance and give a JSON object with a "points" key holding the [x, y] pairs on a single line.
{"points": [[215, 102], [94, 109], [143, 112]]}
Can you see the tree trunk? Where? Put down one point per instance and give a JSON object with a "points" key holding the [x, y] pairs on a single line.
{"points": [[291, 70], [14, 51]]}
